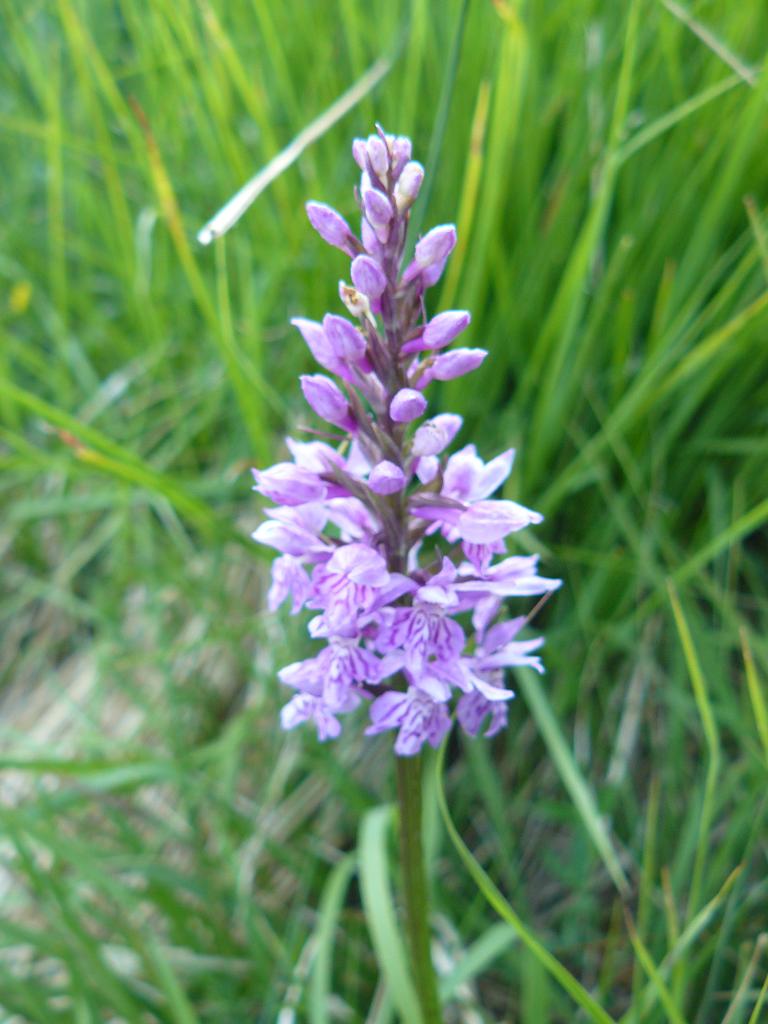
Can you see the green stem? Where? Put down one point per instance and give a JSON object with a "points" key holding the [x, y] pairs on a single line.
{"points": [[409, 774]]}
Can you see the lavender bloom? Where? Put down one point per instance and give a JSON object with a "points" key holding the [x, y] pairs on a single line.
{"points": [[349, 582], [288, 484], [303, 708], [399, 549], [487, 521], [472, 709], [436, 434], [419, 719], [297, 532], [289, 579]]}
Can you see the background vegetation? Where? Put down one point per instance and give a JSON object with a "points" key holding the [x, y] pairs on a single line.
{"points": [[166, 854]]}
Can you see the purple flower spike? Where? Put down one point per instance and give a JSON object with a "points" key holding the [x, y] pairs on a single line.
{"points": [[332, 228], [368, 277], [327, 400], [407, 405], [398, 548]]}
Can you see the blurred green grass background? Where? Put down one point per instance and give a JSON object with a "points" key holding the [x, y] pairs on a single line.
{"points": [[165, 853]]}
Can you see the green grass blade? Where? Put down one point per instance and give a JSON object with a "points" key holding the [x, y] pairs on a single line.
{"points": [[378, 904], [478, 957], [712, 738], [754, 1017], [582, 796], [180, 1008], [646, 960], [493, 896], [328, 915], [647, 999], [756, 696]]}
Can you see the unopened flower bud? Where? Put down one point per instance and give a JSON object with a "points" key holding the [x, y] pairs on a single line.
{"points": [[407, 405], [386, 478], [439, 332], [378, 212], [368, 277], [432, 274], [408, 185], [454, 364], [378, 156], [317, 343], [436, 246], [371, 244], [332, 228], [327, 399], [359, 152], [430, 255], [436, 434], [400, 149], [347, 342], [443, 328]]}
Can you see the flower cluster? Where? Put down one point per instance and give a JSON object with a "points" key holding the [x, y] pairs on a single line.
{"points": [[398, 547]]}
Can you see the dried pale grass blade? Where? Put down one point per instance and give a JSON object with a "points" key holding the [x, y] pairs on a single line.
{"points": [[232, 211], [711, 41]]}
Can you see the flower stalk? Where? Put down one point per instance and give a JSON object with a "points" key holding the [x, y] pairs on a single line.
{"points": [[415, 885]]}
